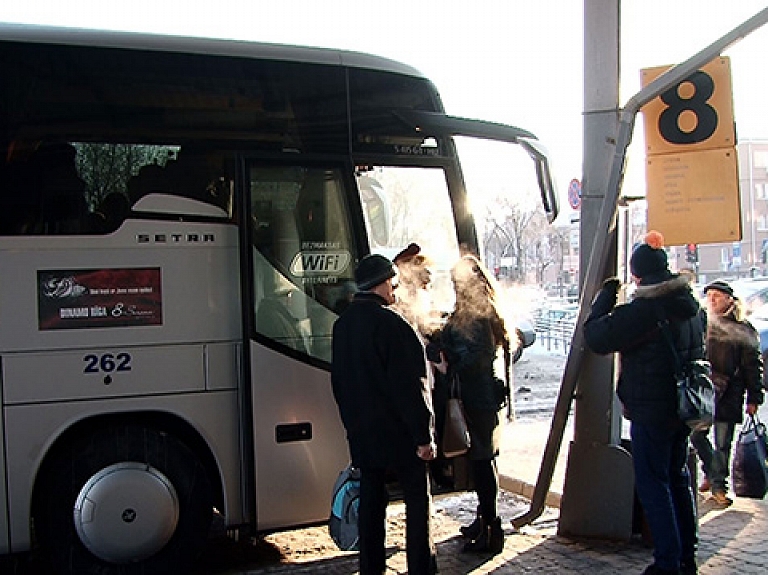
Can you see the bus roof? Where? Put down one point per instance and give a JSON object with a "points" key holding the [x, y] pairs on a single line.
{"points": [[29, 33]]}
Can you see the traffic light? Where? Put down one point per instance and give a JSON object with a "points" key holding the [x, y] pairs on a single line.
{"points": [[691, 253]]}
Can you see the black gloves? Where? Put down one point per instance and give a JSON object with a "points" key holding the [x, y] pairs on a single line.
{"points": [[613, 284], [606, 298]]}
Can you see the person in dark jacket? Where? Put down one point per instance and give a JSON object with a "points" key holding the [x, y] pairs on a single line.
{"points": [[379, 379], [733, 349], [647, 390], [471, 338]]}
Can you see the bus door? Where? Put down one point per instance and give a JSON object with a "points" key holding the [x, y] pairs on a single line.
{"points": [[308, 229], [303, 257]]}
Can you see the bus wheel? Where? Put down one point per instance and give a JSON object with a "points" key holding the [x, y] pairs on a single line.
{"points": [[125, 500]]}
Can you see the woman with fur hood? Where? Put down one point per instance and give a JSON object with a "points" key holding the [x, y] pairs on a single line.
{"points": [[733, 349], [647, 390]]}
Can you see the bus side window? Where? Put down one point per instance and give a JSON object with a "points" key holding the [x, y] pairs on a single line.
{"points": [[200, 175], [43, 193], [63, 191], [19, 209]]}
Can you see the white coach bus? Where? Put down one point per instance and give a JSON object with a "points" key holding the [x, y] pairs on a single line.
{"points": [[179, 224]]}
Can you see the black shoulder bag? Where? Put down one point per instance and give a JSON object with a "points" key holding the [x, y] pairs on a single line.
{"points": [[695, 392], [455, 439]]}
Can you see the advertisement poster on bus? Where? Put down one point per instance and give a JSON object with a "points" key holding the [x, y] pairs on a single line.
{"points": [[79, 299]]}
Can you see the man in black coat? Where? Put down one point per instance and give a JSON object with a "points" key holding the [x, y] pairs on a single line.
{"points": [[647, 390], [733, 349], [379, 377]]}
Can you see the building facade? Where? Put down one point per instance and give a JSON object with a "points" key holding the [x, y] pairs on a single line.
{"points": [[746, 258]]}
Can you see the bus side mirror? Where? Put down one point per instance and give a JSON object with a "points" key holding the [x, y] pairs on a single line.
{"points": [[538, 154]]}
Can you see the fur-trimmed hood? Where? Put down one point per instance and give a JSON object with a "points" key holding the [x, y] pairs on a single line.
{"points": [[662, 289], [732, 327], [674, 295]]}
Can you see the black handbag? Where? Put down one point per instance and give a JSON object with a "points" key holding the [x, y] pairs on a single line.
{"points": [[749, 472], [695, 390]]}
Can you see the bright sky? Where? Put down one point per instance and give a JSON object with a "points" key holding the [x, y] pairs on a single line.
{"points": [[510, 61]]}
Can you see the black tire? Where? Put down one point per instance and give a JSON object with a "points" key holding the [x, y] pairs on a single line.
{"points": [[76, 464]]}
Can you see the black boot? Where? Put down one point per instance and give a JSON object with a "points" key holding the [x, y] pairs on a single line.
{"points": [[490, 540], [496, 537], [474, 529]]}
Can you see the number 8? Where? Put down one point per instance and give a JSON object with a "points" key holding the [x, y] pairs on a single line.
{"points": [[706, 115]]}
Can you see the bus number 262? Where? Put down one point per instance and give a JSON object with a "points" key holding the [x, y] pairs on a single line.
{"points": [[107, 363]]}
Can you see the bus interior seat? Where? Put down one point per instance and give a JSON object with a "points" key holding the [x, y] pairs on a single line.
{"points": [[151, 178], [200, 175], [110, 214], [274, 320]]}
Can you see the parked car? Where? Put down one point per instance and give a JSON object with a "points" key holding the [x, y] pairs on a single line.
{"points": [[526, 335], [752, 291], [759, 319]]}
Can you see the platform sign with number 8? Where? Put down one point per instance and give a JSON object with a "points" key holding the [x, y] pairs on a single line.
{"points": [[696, 114], [691, 165]]}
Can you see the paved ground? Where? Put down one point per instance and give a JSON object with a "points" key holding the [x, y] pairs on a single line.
{"points": [[732, 540]]}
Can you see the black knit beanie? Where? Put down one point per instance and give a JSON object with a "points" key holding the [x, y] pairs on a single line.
{"points": [[373, 270], [649, 260]]}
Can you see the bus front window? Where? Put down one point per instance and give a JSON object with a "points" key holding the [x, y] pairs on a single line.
{"points": [[402, 205]]}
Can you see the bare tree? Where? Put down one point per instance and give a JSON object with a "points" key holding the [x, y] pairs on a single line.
{"points": [[106, 168], [542, 251], [506, 223]]}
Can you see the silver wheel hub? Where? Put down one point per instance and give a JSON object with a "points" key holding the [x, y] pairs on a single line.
{"points": [[126, 512]]}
